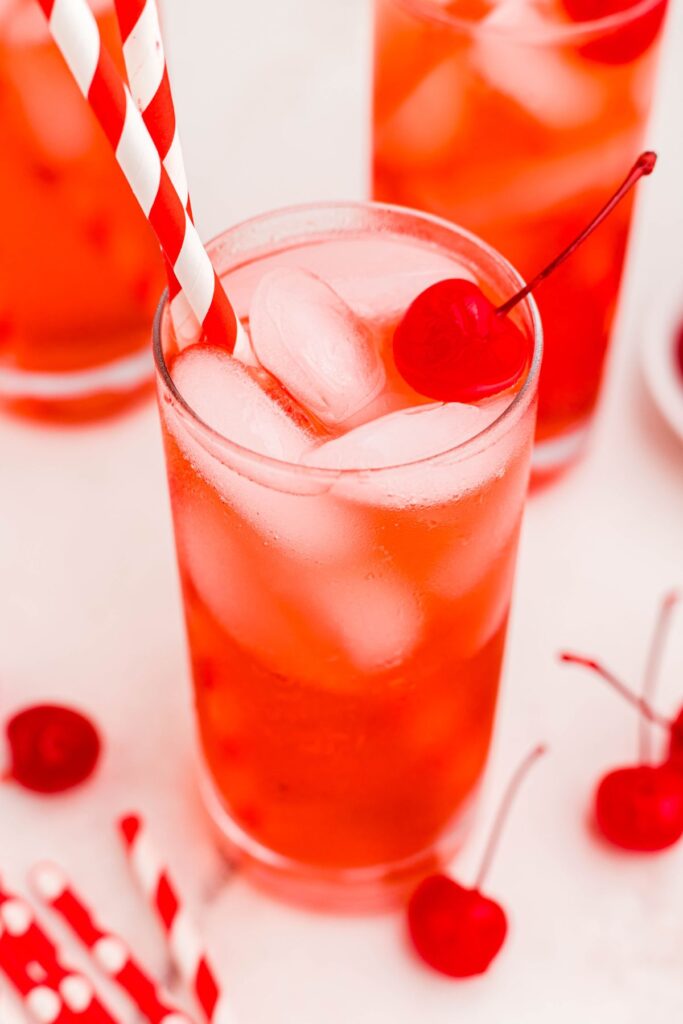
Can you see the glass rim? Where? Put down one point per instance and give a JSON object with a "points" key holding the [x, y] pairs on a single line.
{"points": [[538, 34], [471, 445]]}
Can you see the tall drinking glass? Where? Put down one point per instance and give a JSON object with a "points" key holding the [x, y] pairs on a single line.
{"points": [[81, 270], [518, 119], [346, 624]]}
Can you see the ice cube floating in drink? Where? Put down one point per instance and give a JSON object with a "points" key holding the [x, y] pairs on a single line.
{"points": [[346, 550]]}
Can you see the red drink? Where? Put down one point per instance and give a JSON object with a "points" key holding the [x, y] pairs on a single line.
{"points": [[517, 121], [346, 550], [81, 271]]}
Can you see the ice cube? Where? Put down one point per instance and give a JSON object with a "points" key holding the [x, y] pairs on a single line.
{"points": [[228, 398], [280, 501], [234, 578], [513, 58], [387, 296], [308, 338], [424, 129], [61, 128], [404, 437], [375, 617]]}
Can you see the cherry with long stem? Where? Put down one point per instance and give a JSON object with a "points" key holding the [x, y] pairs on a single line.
{"points": [[640, 807], [504, 811], [645, 164], [652, 666], [454, 344], [457, 930]]}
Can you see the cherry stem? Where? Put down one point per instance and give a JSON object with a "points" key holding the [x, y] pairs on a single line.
{"points": [[652, 666], [645, 164], [639, 702], [504, 810]]}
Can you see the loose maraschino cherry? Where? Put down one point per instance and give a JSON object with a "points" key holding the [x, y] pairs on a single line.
{"points": [[454, 345], [630, 37], [640, 807], [459, 931], [52, 748]]}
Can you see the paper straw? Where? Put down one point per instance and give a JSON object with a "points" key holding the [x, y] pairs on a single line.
{"points": [[182, 936], [26, 950], [76, 33], [42, 1003], [149, 83], [111, 953], [145, 59]]}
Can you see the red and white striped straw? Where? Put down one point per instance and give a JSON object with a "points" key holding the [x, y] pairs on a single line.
{"points": [[111, 953], [75, 31], [150, 86], [182, 936], [143, 53], [42, 1003], [31, 961]]}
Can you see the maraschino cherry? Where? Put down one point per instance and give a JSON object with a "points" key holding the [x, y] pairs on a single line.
{"points": [[454, 345], [52, 748], [630, 37], [459, 931], [640, 807]]}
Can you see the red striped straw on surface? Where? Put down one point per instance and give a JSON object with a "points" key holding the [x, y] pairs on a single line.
{"points": [[41, 1002], [111, 954], [184, 942], [75, 31], [51, 991]]}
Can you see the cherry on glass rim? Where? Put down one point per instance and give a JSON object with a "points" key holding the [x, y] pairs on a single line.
{"points": [[459, 931], [454, 345], [52, 748], [628, 40]]}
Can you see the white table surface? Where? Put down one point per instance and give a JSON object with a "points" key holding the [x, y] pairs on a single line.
{"points": [[89, 608]]}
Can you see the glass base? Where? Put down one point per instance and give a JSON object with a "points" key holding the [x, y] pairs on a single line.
{"points": [[76, 394], [556, 454], [342, 890]]}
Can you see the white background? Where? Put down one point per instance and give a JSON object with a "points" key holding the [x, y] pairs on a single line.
{"points": [[272, 98]]}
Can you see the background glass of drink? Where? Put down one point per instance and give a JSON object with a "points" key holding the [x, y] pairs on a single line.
{"points": [[518, 122], [346, 626], [81, 271]]}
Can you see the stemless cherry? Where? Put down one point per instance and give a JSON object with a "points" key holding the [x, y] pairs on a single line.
{"points": [[623, 43], [456, 930], [52, 748], [454, 345], [640, 807]]}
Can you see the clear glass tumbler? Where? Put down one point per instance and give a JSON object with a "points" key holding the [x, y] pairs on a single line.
{"points": [[81, 269], [346, 626], [518, 120]]}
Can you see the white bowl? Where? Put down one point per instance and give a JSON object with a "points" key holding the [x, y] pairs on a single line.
{"points": [[662, 373]]}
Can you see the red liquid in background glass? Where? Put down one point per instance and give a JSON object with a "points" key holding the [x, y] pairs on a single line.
{"points": [[81, 271], [520, 142]]}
